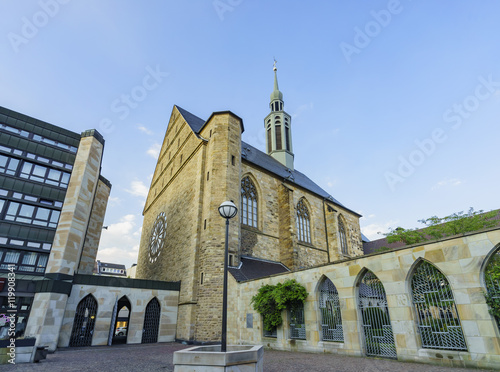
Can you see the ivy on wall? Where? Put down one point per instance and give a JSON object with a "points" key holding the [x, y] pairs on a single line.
{"points": [[271, 300]]}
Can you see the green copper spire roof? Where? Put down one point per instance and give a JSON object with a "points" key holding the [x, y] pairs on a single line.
{"points": [[276, 94]]}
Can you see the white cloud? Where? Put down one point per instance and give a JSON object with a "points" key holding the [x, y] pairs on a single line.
{"points": [[120, 242], [448, 182], [372, 230], [112, 201], [154, 150], [138, 188], [301, 109], [145, 130]]}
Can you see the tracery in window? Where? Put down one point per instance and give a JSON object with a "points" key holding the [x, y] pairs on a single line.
{"points": [[303, 222], [343, 238], [248, 203]]}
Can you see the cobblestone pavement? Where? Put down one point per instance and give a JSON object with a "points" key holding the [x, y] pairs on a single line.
{"points": [[158, 357]]}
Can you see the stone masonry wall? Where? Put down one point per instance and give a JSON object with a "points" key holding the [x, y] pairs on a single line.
{"points": [[223, 183], [106, 298], [275, 238], [461, 259], [94, 229], [175, 191]]}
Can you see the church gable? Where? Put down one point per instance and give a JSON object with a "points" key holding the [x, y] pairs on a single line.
{"points": [[175, 135]]}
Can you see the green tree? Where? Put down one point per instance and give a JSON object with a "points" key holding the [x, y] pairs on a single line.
{"points": [[440, 227]]}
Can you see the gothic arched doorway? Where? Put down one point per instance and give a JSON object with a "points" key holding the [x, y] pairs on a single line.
{"points": [[84, 322]]}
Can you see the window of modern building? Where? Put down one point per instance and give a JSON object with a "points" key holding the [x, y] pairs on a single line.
{"points": [[21, 307], [43, 174], [34, 262], [303, 222], [8, 165], [248, 203], [342, 236], [31, 214]]}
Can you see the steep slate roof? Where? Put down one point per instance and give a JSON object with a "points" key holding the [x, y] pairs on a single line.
{"points": [[193, 121], [255, 268], [262, 160]]}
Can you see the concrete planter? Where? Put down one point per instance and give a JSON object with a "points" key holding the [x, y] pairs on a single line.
{"points": [[244, 358]]}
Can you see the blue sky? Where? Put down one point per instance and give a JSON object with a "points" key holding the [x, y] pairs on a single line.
{"points": [[395, 104]]}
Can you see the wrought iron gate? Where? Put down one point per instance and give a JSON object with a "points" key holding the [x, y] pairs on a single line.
{"points": [[83, 325], [151, 322], [113, 323], [297, 323], [492, 280], [329, 306], [379, 340], [438, 320]]}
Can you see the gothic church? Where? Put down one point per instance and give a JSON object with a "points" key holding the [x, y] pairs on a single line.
{"points": [[286, 222]]}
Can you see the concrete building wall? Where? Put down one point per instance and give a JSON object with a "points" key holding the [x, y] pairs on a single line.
{"points": [[461, 259]]}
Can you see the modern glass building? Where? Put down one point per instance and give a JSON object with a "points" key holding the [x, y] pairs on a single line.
{"points": [[37, 163]]}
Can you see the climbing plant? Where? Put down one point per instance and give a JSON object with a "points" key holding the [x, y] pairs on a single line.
{"points": [[271, 300]]}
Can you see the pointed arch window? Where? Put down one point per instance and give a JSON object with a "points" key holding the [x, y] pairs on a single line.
{"points": [[248, 203], [438, 320], [492, 279], [329, 306], [303, 222], [343, 237]]}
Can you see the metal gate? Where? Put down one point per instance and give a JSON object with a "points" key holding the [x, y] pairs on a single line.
{"points": [[438, 321], [297, 323], [83, 325], [492, 279], [379, 340], [151, 322], [113, 322], [329, 306]]}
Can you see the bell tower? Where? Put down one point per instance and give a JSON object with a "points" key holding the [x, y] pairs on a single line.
{"points": [[278, 128]]}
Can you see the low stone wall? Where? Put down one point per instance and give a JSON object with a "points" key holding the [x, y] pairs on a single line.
{"points": [[460, 259], [106, 297]]}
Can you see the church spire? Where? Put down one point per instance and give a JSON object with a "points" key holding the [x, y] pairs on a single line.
{"points": [[276, 95], [278, 127]]}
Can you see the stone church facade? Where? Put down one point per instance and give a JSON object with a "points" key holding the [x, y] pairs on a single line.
{"points": [[284, 217]]}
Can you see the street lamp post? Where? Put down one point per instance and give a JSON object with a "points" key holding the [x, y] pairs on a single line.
{"points": [[227, 210]]}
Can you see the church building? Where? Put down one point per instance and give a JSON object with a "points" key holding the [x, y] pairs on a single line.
{"points": [[286, 222]]}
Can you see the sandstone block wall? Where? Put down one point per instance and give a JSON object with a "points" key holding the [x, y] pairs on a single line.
{"points": [[94, 229], [106, 298], [461, 259]]}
